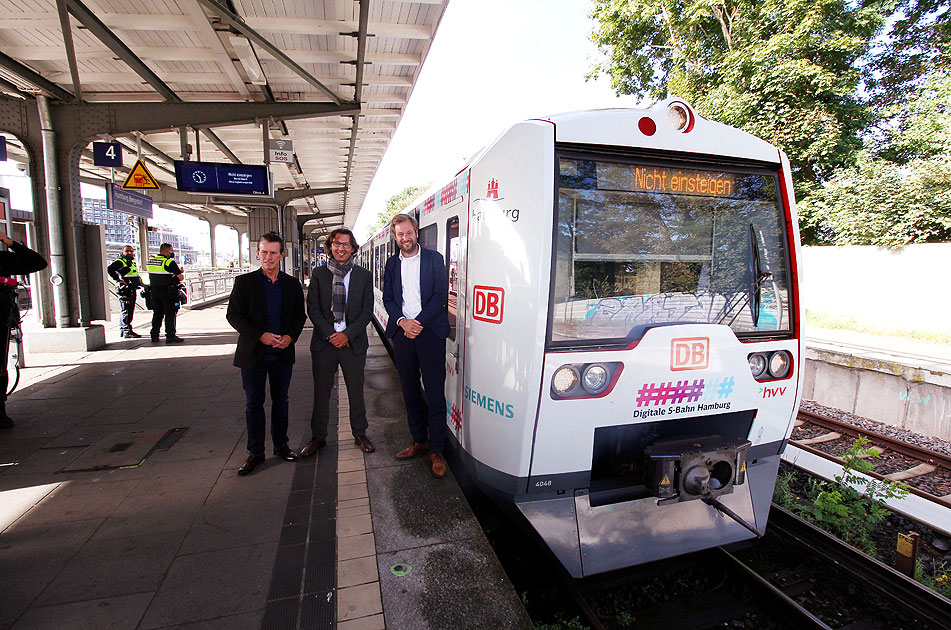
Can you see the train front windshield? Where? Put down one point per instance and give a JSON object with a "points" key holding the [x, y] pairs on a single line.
{"points": [[640, 244]]}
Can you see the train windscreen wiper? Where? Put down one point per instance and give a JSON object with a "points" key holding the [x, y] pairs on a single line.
{"points": [[757, 276]]}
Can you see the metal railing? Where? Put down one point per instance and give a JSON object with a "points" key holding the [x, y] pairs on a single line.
{"points": [[209, 285]]}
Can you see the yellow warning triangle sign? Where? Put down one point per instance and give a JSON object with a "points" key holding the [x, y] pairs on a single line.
{"points": [[140, 178]]}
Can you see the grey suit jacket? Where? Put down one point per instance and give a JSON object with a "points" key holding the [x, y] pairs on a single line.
{"points": [[357, 315]]}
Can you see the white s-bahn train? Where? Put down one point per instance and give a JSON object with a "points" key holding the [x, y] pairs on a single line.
{"points": [[624, 363]]}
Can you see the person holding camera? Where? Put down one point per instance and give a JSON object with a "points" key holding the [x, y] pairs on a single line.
{"points": [[17, 260]]}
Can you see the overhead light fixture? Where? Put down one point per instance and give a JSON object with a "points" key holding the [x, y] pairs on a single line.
{"points": [[249, 60]]}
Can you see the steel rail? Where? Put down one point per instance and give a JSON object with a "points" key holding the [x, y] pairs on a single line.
{"points": [[909, 450], [801, 617], [904, 592]]}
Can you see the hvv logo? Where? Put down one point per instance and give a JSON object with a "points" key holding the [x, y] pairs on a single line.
{"points": [[689, 353]]}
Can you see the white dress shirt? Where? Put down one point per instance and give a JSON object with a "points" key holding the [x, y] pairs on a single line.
{"points": [[342, 326], [409, 273]]}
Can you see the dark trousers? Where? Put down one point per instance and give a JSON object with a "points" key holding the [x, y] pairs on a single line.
{"points": [[271, 367], [126, 309], [163, 308], [423, 357], [4, 373], [325, 362]]}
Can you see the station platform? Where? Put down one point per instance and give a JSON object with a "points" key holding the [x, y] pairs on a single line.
{"points": [[898, 381], [120, 506]]}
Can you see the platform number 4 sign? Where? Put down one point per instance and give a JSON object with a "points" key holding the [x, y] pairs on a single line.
{"points": [[107, 154]]}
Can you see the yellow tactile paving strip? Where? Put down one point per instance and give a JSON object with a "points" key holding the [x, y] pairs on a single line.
{"points": [[359, 602]]}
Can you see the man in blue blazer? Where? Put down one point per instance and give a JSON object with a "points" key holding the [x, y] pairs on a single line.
{"points": [[415, 295], [267, 310], [340, 304]]}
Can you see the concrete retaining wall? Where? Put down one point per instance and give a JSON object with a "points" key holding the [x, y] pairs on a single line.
{"points": [[902, 289], [917, 399]]}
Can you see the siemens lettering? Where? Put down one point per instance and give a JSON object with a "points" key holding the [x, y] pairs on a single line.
{"points": [[490, 404]]}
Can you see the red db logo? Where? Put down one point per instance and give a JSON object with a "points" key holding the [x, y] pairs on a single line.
{"points": [[489, 302], [690, 353]]}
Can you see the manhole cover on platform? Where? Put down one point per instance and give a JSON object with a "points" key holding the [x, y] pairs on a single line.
{"points": [[118, 450]]}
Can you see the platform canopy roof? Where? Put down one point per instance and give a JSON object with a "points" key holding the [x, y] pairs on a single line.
{"points": [[342, 52]]}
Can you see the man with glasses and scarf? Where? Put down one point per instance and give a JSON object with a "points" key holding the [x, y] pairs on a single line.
{"points": [[340, 304]]}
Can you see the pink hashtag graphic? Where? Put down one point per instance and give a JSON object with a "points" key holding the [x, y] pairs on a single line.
{"points": [[688, 393], [657, 393]]}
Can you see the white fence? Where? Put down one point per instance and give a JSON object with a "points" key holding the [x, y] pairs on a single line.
{"points": [[904, 289]]}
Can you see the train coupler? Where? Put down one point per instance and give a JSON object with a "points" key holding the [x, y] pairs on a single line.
{"points": [[696, 468]]}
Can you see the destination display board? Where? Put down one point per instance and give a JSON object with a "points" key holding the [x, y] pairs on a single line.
{"points": [[214, 178]]}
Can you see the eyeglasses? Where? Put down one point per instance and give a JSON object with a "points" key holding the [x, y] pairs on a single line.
{"points": [[341, 245]]}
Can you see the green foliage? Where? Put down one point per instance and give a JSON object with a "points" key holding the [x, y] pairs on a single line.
{"points": [[396, 204], [937, 577], [918, 45], [840, 509], [899, 191], [784, 70], [783, 496], [573, 624]]}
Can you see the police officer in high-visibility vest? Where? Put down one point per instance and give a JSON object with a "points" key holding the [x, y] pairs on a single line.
{"points": [[125, 272], [164, 276]]}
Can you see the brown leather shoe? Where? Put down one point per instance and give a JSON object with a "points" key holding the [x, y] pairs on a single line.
{"points": [[439, 465], [312, 447], [412, 450], [364, 443]]}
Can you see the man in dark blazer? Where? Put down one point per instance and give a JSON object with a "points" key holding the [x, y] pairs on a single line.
{"points": [[267, 310], [416, 295], [340, 305]]}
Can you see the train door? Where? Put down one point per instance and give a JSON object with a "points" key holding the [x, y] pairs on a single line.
{"points": [[455, 268]]}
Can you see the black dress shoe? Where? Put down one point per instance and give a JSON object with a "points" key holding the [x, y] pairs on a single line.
{"points": [[5, 422], [285, 453], [155, 339], [364, 443], [174, 339], [250, 464], [312, 447], [132, 335]]}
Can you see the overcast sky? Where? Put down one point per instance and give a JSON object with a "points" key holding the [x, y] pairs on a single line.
{"points": [[493, 63]]}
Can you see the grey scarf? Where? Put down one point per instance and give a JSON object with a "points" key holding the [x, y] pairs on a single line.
{"points": [[338, 301]]}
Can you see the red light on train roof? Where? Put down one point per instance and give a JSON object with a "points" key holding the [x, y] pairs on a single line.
{"points": [[647, 126]]}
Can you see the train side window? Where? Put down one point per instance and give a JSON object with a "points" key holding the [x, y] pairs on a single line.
{"points": [[452, 267], [428, 237]]}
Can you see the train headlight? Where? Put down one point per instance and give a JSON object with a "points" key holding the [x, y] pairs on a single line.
{"points": [[564, 380], [680, 117], [757, 364], [573, 381], [595, 378], [779, 364]]}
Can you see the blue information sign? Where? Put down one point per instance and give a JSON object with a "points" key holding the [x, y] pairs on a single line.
{"points": [[213, 178], [128, 201], [3, 149], [107, 154]]}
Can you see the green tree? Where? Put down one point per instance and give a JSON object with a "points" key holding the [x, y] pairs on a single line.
{"points": [[396, 204], [918, 45], [786, 71], [899, 190]]}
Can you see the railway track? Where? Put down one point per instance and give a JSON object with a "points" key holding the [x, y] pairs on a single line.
{"points": [[926, 473], [719, 588]]}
